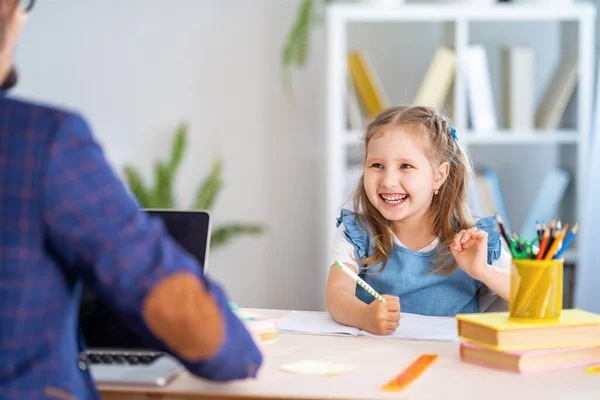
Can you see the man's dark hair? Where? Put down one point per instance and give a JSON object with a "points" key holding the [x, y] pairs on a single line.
{"points": [[11, 80]]}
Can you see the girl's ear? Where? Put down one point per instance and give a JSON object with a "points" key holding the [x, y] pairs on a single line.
{"points": [[441, 174]]}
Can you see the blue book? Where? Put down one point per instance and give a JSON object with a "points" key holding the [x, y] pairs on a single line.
{"points": [[475, 201], [546, 203], [491, 195]]}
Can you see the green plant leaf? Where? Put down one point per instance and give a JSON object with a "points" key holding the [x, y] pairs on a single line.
{"points": [[136, 185], [224, 233], [290, 46], [178, 148], [210, 187], [295, 48], [287, 52], [302, 34], [163, 191]]}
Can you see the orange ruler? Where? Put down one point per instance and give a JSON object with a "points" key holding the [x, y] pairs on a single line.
{"points": [[411, 373]]}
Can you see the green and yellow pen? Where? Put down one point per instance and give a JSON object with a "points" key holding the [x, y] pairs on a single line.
{"points": [[359, 281]]}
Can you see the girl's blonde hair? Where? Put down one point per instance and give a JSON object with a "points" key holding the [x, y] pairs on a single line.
{"points": [[449, 208]]}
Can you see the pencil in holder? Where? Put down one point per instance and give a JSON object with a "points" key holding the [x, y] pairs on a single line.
{"points": [[536, 290]]}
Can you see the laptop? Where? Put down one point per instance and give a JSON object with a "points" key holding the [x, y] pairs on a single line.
{"points": [[117, 355]]}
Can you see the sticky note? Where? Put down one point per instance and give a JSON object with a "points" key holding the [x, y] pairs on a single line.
{"points": [[594, 370], [244, 315], [313, 367]]}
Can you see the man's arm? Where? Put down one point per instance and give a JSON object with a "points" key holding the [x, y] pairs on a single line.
{"points": [[96, 229]]}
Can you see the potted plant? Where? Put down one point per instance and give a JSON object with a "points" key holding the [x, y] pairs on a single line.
{"points": [[160, 194]]}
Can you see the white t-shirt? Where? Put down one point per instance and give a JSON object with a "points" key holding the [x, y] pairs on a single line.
{"points": [[343, 251]]}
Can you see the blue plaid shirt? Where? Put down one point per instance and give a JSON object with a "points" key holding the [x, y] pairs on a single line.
{"points": [[66, 217]]}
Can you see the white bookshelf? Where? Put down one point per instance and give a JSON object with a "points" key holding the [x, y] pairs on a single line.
{"points": [[353, 138], [578, 22]]}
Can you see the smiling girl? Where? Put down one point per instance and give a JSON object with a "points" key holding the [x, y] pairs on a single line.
{"points": [[411, 236]]}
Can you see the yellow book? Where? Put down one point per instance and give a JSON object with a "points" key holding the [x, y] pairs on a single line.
{"points": [[438, 79], [495, 331], [369, 90]]}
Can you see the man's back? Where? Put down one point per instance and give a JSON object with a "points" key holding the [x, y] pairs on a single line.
{"points": [[38, 330], [64, 216]]}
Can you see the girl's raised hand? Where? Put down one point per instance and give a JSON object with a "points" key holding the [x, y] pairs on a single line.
{"points": [[469, 249]]}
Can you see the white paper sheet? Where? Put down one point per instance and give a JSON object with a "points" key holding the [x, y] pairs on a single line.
{"points": [[314, 323], [314, 367], [412, 327]]}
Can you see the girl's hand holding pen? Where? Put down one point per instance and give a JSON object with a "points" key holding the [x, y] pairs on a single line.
{"points": [[382, 317]]}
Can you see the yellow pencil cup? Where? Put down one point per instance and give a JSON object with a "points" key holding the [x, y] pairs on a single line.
{"points": [[536, 290]]}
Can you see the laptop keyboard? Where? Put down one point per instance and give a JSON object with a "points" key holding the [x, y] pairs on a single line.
{"points": [[123, 358]]}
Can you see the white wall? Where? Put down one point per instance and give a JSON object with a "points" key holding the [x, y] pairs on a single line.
{"points": [[137, 68]]}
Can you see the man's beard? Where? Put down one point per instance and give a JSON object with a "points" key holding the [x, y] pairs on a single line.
{"points": [[11, 80]]}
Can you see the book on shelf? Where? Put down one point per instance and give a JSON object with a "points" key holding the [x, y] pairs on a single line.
{"points": [[557, 95], [519, 92], [475, 201], [482, 110], [497, 332], [547, 200], [438, 79], [596, 111], [486, 196], [367, 83], [530, 361]]}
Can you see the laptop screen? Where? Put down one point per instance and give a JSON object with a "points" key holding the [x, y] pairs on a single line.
{"points": [[103, 328]]}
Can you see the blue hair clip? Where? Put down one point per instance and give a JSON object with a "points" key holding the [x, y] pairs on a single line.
{"points": [[453, 133]]}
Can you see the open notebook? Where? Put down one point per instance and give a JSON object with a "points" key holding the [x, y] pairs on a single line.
{"points": [[412, 326]]}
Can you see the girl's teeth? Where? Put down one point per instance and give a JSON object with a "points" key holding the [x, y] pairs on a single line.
{"points": [[394, 199]]}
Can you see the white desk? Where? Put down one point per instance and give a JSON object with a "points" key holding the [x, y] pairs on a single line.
{"points": [[379, 361]]}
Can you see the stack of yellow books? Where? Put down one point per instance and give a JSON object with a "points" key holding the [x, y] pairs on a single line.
{"points": [[492, 340]]}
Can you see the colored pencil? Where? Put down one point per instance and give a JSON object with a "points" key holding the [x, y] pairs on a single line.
{"points": [[516, 239], [543, 244], [552, 235], [555, 243], [359, 281], [567, 242], [503, 230]]}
